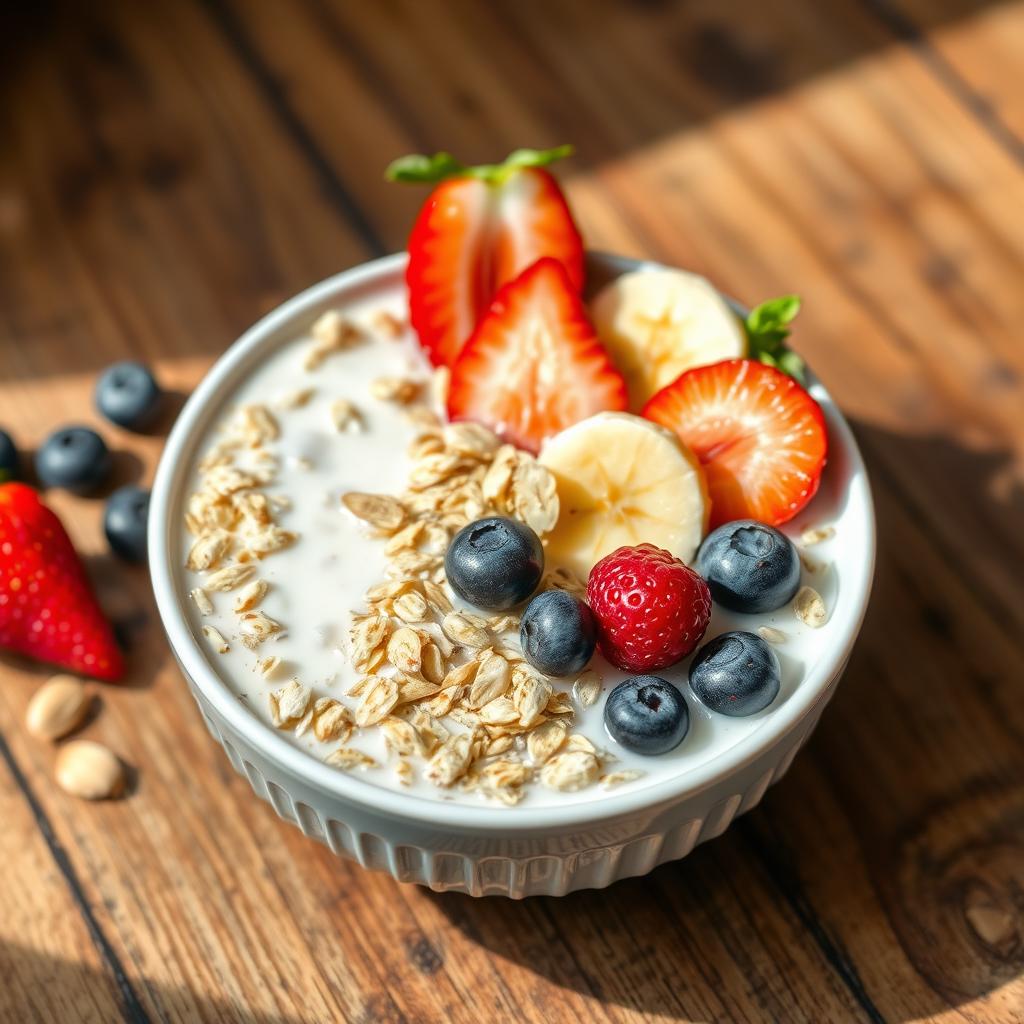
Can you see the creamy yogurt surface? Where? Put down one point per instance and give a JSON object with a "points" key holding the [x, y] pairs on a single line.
{"points": [[316, 582]]}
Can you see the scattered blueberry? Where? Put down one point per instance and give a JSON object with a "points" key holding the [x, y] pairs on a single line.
{"points": [[750, 567], [647, 715], [75, 458], [8, 458], [127, 394], [735, 674], [558, 633], [495, 563], [124, 523]]}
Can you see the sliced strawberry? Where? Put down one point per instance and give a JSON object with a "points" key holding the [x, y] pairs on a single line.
{"points": [[47, 608], [534, 365], [532, 220], [759, 435], [478, 229]]}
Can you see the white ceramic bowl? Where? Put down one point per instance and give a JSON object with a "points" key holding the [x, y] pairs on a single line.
{"points": [[523, 850]]}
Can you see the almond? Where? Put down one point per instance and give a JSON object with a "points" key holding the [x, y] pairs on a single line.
{"points": [[57, 708], [89, 770]]}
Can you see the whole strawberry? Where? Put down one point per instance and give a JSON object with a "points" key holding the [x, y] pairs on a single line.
{"points": [[651, 608], [47, 608]]}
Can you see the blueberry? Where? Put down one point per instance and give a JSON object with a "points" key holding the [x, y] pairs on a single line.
{"points": [[124, 523], [735, 674], [8, 458], [750, 567], [647, 714], [75, 458], [127, 394], [495, 563], [558, 633]]}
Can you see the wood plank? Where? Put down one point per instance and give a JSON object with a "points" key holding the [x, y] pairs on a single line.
{"points": [[50, 964], [162, 173], [974, 46]]}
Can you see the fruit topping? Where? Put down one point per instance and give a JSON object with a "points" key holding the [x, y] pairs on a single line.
{"points": [[558, 633], [127, 394], [660, 322], [75, 458], [534, 365], [623, 480], [124, 523], [647, 715], [759, 435], [652, 610], [749, 566], [479, 229], [47, 608], [494, 563], [735, 674], [8, 458]]}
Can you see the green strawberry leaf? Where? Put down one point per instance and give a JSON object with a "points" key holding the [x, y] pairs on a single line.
{"points": [[775, 314], [768, 327], [418, 168], [532, 158], [428, 170], [791, 363]]}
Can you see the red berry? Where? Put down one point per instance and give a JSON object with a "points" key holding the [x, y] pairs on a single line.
{"points": [[47, 608], [651, 608], [760, 437], [478, 230], [534, 365]]}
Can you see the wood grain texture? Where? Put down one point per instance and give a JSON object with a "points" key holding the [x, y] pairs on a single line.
{"points": [[171, 171], [63, 942]]}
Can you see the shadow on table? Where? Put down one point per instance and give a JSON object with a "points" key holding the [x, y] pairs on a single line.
{"points": [[891, 858], [691, 62], [37, 983], [125, 170]]}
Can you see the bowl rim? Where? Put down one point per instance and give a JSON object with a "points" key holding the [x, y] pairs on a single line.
{"points": [[440, 814]]}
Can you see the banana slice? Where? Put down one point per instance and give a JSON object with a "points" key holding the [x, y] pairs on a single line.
{"points": [[657, 323], [623, 480]]}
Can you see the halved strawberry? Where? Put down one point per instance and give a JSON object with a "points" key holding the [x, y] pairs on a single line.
{"points": [[759, 435], [47, 607], [534, 365], [478, 229]]}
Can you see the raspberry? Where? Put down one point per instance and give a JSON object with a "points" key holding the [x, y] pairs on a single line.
{"points": [[651, 608]]}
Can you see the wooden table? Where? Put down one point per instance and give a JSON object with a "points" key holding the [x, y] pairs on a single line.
{"points": [[170, 171]]}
